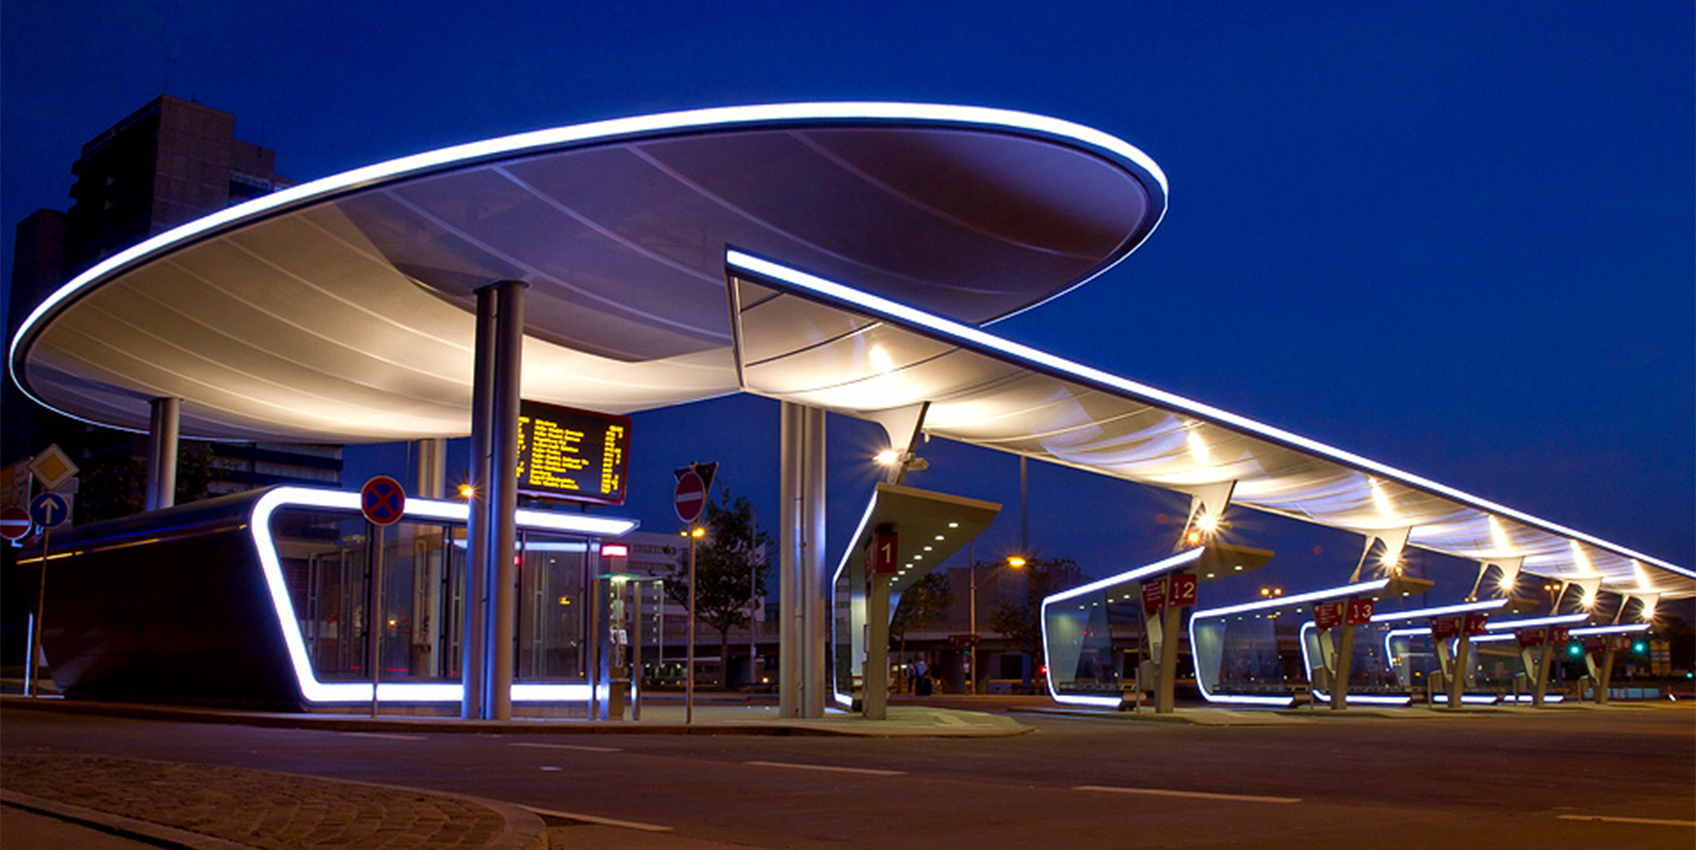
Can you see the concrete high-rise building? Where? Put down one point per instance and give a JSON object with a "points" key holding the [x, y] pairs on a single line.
{"points": [[165, 164]]}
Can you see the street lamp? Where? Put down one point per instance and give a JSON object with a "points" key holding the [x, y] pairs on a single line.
{"points": [[1014, 562]]}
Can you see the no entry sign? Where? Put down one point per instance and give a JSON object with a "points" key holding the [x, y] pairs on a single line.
{"points": [[14, 523], [691, 496], [382, 500]]}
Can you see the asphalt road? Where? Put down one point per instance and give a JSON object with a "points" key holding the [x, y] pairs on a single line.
{"points": [[1488, 780]]}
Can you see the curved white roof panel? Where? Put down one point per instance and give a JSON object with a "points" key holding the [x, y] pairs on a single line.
{"points": [[818, 342], [340, 310]]}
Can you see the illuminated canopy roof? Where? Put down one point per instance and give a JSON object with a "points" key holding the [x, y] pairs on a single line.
{"points": [[341, 310], [818, 342]]}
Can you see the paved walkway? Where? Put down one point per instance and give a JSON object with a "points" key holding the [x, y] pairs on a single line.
{"points": [[221, 808]]}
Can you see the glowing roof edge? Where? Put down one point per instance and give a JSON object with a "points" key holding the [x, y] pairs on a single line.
{"points": [[594, 132], [977, 340]]}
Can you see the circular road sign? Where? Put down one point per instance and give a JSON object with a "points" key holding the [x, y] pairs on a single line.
{"points": [[49, 509], [691, 496], [382, 500], [14, 523]]}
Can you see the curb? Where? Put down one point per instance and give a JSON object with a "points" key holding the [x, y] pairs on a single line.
{"points": [[1001, 727], [119, 825]]}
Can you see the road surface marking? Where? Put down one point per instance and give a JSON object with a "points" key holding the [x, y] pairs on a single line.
{"points": [[622, 824], [1200, 795], [385, 736], [1648, 821], [584, 747], [867, 771]]}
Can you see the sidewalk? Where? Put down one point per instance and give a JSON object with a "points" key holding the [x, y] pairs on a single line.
{"points": [[51, 798], [904, 721]]}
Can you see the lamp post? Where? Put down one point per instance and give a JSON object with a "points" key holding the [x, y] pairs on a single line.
{"points": [[1013, 561]]}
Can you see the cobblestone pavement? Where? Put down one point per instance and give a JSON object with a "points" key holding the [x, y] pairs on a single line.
{"points": [[268, 810]]}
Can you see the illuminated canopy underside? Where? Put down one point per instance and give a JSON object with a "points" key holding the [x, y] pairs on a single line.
{"points": [[341, 310], [819, 343]]}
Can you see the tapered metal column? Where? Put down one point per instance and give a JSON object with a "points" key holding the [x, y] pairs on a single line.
{"points": [[477, 522], [789, 562], [503, 501], [815, 573], [1457, 682], [1345, 655], [162, 453], [504, 497]]}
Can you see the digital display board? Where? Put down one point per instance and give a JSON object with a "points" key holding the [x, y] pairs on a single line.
{"points": [[565, 453]]}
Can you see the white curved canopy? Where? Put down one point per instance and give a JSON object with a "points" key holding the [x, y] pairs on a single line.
{"points": [[805, 339], [340, 310]]}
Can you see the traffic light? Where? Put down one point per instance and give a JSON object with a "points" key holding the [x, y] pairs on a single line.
{"points": [[1574, 649], [1640, 647]]}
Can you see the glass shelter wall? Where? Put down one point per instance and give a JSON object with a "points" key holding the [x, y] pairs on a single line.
{"points": [[326, 557]]}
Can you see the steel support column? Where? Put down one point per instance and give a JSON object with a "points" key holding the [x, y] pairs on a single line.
{"points": [[162, 453], [477, 521], [429, 475], [803, 583], [502, 622]]}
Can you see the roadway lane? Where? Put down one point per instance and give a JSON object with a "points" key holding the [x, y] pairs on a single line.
{"points": [[1505, 780]]}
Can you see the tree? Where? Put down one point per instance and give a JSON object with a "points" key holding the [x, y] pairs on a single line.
{"points": [[927, 600], [1021, 622], [730, 557], [113, 484]]}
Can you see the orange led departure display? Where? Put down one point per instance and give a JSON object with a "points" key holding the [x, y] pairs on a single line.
{"points": [[564, 453]]}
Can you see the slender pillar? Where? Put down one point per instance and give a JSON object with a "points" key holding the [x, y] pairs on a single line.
{"points": [[816, 572], [503, 501], [162, 453], [789, 562], [803, 578], [1457, 682], [430, 471], [1545, 660], [1345, 656], [876, 705], [477, 522], [1167, 674]]}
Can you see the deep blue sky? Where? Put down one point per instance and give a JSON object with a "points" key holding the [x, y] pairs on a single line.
{"points": [[1454, 237]]}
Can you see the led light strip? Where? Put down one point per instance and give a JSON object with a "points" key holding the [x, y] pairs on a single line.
{"points": [[1629, 628], [1168, 565], [1343, 591], [974, 338], [1461, 608], [1363, 699], [315, 691]]}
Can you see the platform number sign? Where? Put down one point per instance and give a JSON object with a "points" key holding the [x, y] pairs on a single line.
{"points": [[1181, 590], [1359, 612], [884, 549]]}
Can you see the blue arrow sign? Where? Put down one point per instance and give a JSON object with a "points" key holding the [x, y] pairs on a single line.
{"points": [[49, 510]]}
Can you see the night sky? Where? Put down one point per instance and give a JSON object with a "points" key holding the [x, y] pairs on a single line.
{"points": [[1457, 238]]}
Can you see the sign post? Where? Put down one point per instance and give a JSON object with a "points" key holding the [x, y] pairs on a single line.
{"points": [[689, 499], [383, 501], [47, 510]]}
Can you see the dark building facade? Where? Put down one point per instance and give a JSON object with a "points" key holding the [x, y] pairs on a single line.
{"points": [[166, 164]]}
